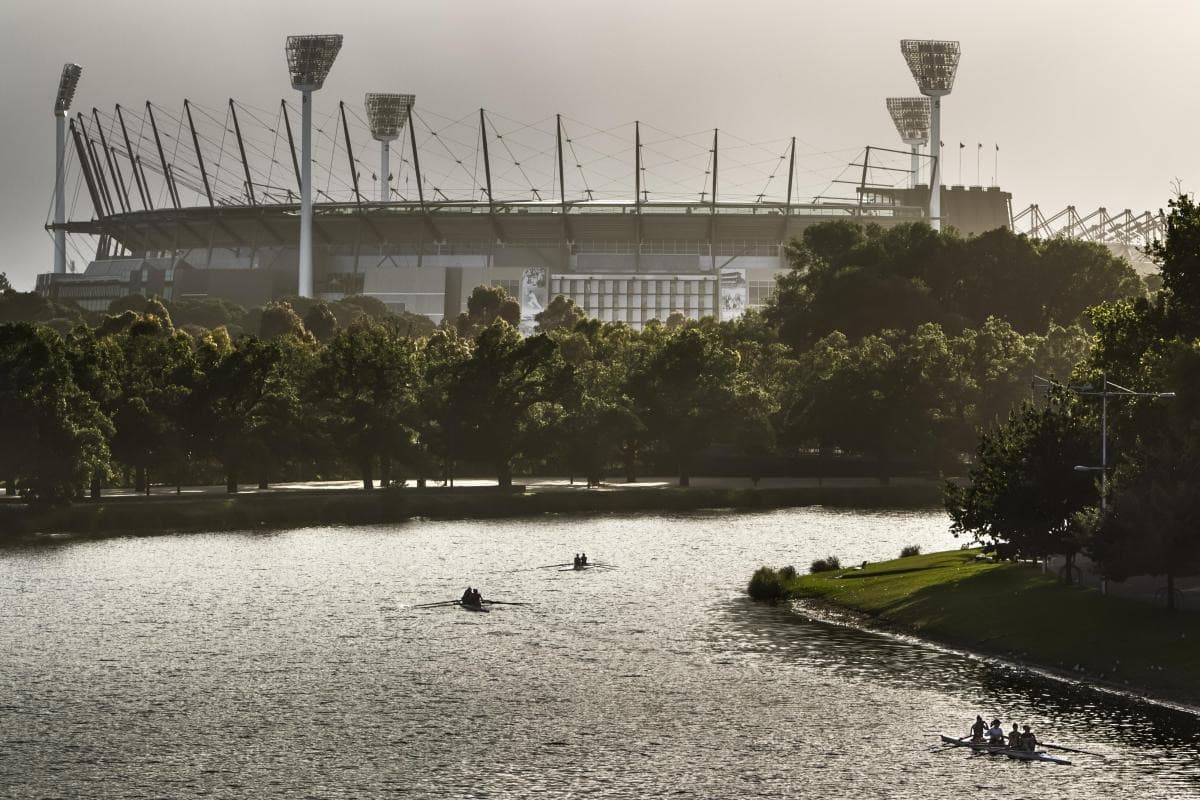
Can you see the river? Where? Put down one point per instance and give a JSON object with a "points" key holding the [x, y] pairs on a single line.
{"points": [[295, 664]]}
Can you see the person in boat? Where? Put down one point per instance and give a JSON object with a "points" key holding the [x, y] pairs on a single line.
{"points": [[978, 729], [476, 598], [467, 595], [577, 561], [995, 734], [583, 559], [1014, 738], [1029, 742]]}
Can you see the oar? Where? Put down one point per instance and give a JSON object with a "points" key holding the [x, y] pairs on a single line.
{"points": [[505, 603], [551, 566], [1072, 749], [435, 605]]}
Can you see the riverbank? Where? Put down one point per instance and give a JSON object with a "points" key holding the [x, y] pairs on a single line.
{"points": [[304, 506], [1018, 614]]}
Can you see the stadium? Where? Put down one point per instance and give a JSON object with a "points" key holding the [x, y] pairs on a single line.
{"points": [[416, 208]]}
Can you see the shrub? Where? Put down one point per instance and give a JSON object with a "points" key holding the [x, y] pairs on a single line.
{"points": [[787, 573], [827, 564], [766, 586], [910, 550]]}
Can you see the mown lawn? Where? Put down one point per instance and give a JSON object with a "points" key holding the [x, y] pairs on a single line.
{"points": [[1014, 610]]}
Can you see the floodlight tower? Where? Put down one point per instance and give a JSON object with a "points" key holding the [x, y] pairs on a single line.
{"points": [[933, 64], [387, 114], [911, 115], [62, 107], [309, 60]]}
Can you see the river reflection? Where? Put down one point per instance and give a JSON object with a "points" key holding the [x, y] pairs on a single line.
{"points": [[296, 664]]}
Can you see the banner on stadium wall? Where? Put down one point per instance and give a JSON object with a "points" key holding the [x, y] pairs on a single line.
{"points": [[535, 285], [735, 294]]}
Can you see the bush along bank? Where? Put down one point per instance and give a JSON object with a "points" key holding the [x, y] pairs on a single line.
{"points": [[1015, 612]]}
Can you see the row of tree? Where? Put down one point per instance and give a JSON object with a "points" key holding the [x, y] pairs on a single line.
{"points": [[311, 389], [1034, 484]]}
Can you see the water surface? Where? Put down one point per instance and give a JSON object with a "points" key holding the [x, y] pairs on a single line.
{"points": [[294, 664]]}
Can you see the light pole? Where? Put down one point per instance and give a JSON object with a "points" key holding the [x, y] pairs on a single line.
{"points": [[933, 65], [386, 114], [1108, 389], [62, 107], [911, 115], [309, 60]]}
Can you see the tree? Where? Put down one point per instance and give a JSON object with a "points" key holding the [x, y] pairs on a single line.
{"points": [[54, 434], [497, 401], [158, 373], [561, 313], [1024, 490], [1151, 525], [320, 322], [1178, 256], [368, 381], [280, 319], [485, 305], [5, 286], [685, 394]]}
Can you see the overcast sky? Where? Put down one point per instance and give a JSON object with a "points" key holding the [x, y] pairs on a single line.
{"points": [[1092, 103]]}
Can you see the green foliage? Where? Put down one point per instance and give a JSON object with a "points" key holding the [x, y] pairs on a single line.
{"points": [[506, 398], [320, 322], [561, 313], [1178, 256], [910, 550], [863, 280], [1024, 489], [368, 386], [279, 320], [826, 564], [767, 586], [486, 305], [686, 393], [54, 434], [5, 286]]}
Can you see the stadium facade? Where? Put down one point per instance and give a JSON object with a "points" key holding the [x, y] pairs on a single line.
{"points": [[203, 203]]}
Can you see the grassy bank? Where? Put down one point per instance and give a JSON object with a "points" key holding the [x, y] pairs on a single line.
{"points": [[1014, 611], [125, 515]]}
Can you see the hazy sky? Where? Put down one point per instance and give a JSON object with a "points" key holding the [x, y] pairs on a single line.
{"points": [[1092, 102]]}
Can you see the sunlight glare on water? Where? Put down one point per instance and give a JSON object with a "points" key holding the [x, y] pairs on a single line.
{"points": [[295, 664]]}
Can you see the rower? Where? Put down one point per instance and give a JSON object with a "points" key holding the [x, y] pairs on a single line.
{"points": [[995, 734], [1014, 738], [583, 559], [1029, 742], [466, 597], [577, 561], [977, 729], [476, 598]]}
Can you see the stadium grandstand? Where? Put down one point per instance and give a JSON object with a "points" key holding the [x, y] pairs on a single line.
{"points": [[631, 222]]}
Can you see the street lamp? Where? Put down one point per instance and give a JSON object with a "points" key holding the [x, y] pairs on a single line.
{"points": [[1108, 389], [933, 65], [309, 59], [911, 115], [62, 107], [386, 114]]}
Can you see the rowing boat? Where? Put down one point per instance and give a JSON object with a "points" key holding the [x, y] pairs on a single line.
{"points": [[474, 607], [576, 568], [1001, 750]]}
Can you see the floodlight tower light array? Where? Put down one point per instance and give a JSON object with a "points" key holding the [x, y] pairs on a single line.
{"points": [[933, 65], [387, 115], [62, 108], [911, 115], [309, 60]]}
